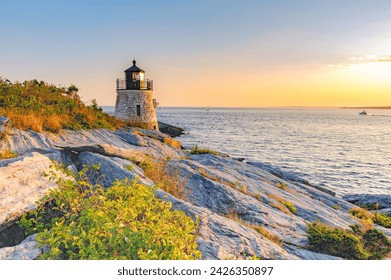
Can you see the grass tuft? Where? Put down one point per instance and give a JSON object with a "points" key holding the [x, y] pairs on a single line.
{"points": [[288, 205], [7, 154], [164, 178], [198, 151]]}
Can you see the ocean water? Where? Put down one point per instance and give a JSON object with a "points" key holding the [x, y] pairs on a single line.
{"points": [[334, 148]]}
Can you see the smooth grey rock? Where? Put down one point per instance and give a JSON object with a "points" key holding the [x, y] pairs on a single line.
{"points": [[288, 176], [28, 249], [110, 170], [22, 184], [384, 200], [226, 186], [304, 254], [170, 130], [131, 138]]}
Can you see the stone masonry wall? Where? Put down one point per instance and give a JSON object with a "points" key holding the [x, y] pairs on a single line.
{"points": [[125, 107]]}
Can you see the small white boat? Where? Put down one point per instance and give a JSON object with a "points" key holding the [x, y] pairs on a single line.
{"points": [[363, 113]]}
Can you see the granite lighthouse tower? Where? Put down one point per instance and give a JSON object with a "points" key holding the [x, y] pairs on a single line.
{"points": [[135, 102]]}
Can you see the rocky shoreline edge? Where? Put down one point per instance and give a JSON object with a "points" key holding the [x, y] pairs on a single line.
{"points": [[228, 196]]}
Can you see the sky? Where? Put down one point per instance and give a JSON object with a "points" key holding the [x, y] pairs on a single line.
{"points": [[217, 53]]}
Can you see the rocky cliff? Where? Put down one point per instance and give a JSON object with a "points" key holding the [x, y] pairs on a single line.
{"points": [[232, 199]]}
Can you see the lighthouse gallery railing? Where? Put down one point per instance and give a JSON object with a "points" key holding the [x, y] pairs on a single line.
{"points": [[134, 84]]}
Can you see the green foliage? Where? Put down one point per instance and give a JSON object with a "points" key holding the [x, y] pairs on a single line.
{"points": [[40, 107], [81, 221], [377, 243], [198, 151], [348, 244], [361, 213], [72, 88], [372, 206], [382, 219], [129, 168], [336, 242], [291, 207]]}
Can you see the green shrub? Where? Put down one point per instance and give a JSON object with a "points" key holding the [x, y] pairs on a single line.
{"points": [[377, 243], [80, 221], [382, 219], [349, 244], [372, 206], [336, 242], [198, 151], [361, 213]]}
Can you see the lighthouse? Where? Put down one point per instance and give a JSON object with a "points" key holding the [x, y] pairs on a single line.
{"points": [[135, 103]]}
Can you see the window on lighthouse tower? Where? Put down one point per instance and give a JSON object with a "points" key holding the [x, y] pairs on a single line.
{"points": [[138, 110]]}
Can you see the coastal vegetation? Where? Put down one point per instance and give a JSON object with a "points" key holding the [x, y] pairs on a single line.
{"points": [[200, 151], [349, 244], [39, 106], [6, 154], [260, 229], [82, 221], [160, 173], [368, 218], [284, 206]]}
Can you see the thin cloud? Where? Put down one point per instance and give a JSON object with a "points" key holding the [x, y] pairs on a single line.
{"points": [[385, 59], [367, 58]]}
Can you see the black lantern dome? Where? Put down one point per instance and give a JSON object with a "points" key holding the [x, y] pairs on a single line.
{"points": [[134, 79]]}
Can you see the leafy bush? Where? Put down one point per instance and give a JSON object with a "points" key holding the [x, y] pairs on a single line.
{"points": [[198, 151], [371, 206], [336, 242], [348, 244], [382, 219], [361, 213], [39, 106], [377, 243], [81, 221]]}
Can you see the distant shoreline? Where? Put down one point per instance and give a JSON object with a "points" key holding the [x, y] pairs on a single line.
{"points": [[369, 107]]}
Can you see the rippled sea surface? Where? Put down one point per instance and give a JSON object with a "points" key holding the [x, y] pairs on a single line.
{"points": [[334, 148]]}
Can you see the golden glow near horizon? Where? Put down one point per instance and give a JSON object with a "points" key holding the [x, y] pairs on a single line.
{"points": [[359, 83]]}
